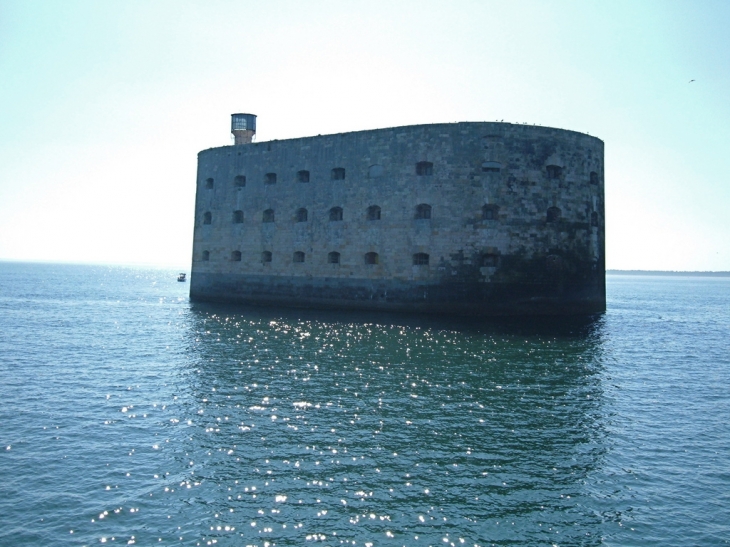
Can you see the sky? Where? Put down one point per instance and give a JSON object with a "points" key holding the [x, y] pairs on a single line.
{"points": [[105, 105]]}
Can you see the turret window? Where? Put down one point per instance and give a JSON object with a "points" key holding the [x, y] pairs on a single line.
{"points": [[373, 212], [237, 217], [207, 217], [594, 177], [298, 257], [338, 173], [336, 214], [236, 256], [206, 256], [554, 214], [424, 168], [302, 176], [268, 215], [301, 215], [372, 258], [209, 184], [270, 178], [239, 181], [423, 211], [333, 258], [266, 256], [420, 259]]}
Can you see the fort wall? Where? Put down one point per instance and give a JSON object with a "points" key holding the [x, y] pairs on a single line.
{"points": [[474, 218]]}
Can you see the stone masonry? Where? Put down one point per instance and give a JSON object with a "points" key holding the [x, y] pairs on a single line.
{"points": [[470, 218]]}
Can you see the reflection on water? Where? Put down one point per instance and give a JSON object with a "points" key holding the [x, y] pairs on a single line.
{"points": [[130, 416], [351, 427]]}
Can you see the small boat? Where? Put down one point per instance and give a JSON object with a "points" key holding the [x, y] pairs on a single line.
{"points": [[181, 278]]}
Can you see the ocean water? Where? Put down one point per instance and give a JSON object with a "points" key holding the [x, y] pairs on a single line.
{"points": [[130, 416]]}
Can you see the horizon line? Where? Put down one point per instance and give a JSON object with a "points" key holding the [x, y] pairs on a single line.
{"points": [[177, 266]]}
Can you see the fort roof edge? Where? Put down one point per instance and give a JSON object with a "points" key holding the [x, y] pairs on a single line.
{"points": [[538, 128]]}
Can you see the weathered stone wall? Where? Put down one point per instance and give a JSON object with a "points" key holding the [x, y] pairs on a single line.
{"points": [[494, 244]]}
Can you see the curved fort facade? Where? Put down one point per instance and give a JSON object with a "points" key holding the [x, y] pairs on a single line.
{"points": [[474, 218]]}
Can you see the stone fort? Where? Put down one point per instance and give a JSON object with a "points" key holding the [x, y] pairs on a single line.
{"points": [[471, 218]]}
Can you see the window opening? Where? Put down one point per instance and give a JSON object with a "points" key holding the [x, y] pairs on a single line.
{"points": [[594, 177], [338, 173], [237, 217], [491, 167], [268, 215], [207, 217], [423, 211], [333, 258], [554, 171], [372, 258], [236, 256], [594, 218], [336, 214], [302, 176], [239, 181], [490, 260], [266, 256], [420, 259], [302, 215], [206, 256], [554, 214], [373, 212], [209, 183], [298, 256], [270, 178], [424, 168], [489, 212], [375, 171]]}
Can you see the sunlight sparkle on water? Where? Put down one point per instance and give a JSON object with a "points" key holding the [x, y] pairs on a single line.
{"points": [[249, 427]]}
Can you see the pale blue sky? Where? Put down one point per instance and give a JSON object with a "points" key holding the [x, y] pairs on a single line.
{"points": [[105, 105]]}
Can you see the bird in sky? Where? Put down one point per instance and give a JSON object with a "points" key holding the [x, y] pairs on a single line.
{"points": [[691, 81]]}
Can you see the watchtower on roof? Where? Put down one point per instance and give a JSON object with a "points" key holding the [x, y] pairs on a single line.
{"points": [[243, 127]]}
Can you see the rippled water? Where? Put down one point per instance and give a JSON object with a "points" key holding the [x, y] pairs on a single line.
{"points": [[130, 416]]}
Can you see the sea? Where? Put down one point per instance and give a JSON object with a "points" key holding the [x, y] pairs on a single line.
{"points": [[132, 416]]}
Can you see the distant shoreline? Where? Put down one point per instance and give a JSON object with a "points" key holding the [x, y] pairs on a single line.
{"points": [[183, 268], [670, 273]]}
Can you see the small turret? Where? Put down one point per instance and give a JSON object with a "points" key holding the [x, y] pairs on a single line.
{"points": [[243, 127]]}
